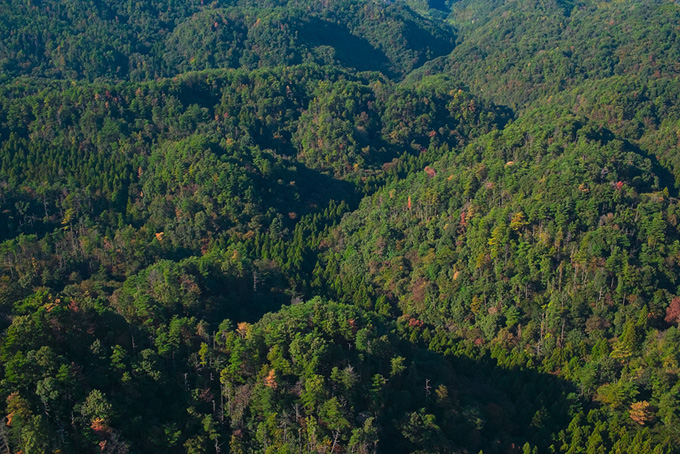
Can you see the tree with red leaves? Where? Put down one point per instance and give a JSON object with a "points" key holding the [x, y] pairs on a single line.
{"points": [[673, 311]]}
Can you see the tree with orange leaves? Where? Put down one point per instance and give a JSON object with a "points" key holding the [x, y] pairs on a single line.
{"points": [[640, 412]]}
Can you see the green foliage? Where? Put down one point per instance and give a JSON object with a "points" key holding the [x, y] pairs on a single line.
{"points": [[186, 189]]}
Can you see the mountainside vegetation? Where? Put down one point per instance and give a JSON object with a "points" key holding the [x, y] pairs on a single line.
{"points": [[267, 226]]}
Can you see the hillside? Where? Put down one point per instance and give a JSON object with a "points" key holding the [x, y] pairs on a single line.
{"points": [[340, 227]]}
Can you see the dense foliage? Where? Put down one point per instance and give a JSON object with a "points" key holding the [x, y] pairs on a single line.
{"points": [[340, 226]]}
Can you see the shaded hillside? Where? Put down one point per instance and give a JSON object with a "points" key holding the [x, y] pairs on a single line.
{"points": [[146, 40]]}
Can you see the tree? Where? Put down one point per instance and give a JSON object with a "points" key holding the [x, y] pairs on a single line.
{"points": [[673, 311], [641, 412]]}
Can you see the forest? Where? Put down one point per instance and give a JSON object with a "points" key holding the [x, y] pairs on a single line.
{"points": [[346, 226]]}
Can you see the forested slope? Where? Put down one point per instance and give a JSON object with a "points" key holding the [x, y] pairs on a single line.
{"points": [[352, 226], [145, 40]]}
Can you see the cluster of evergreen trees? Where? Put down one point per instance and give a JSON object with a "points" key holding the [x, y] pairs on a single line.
{"points": [[267, 226]]}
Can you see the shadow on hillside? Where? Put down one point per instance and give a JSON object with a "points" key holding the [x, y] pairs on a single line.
{"points": [[298, 190], [666, 177], [487, 407], [350, 50]]}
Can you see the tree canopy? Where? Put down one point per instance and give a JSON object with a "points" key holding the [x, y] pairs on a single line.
{"points": [[344, 226]]}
